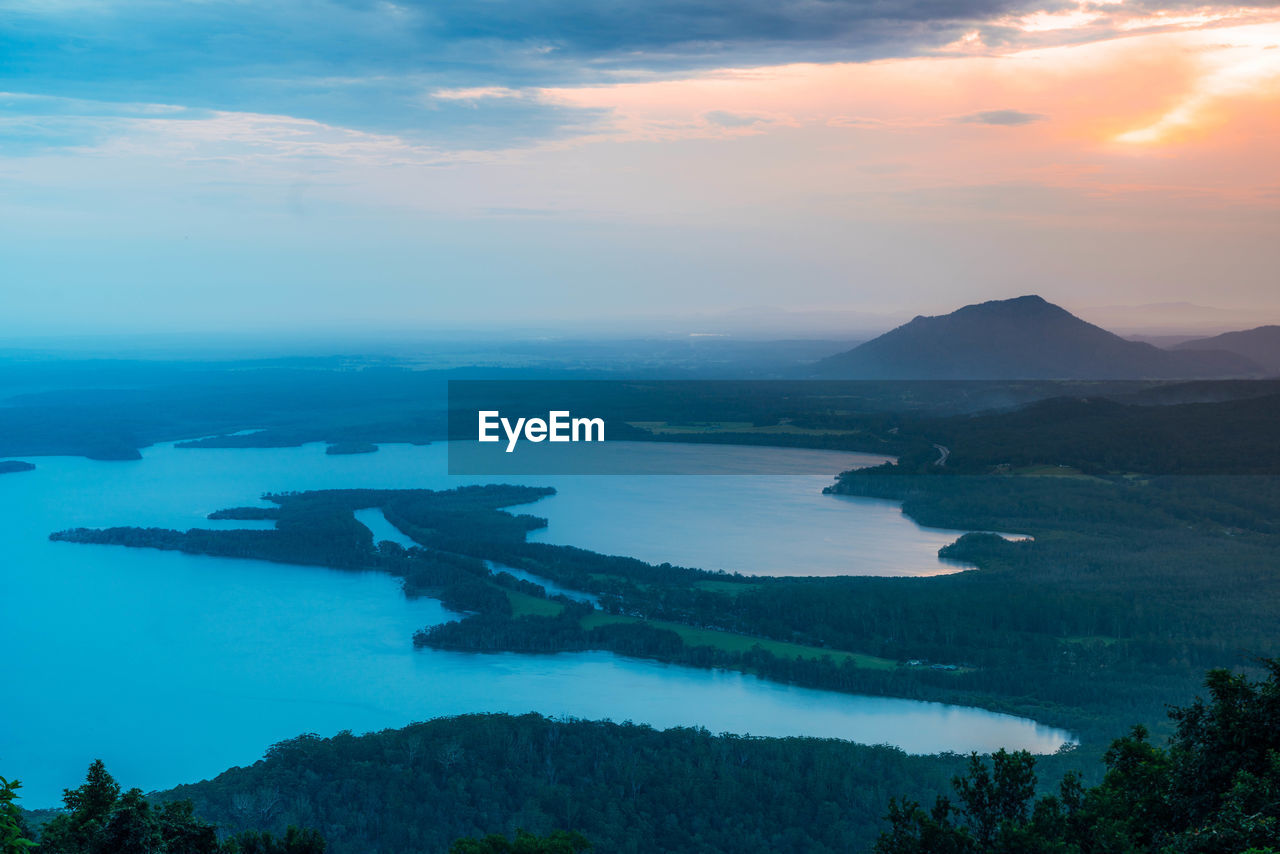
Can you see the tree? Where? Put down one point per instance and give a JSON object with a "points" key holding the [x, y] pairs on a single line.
{"points": [[558, 842], [294, 841], [13, 834], [182, 833], [80, 830], [1214, 790], [99, 820], [997, 813], [132, 828]]}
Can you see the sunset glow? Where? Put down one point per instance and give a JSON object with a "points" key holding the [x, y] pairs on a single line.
{"points": [[1101, 148]]}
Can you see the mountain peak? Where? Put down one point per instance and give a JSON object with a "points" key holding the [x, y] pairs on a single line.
{"points": [[1028, 306], [1024, 300], [1025, 337], [1028, 303]]}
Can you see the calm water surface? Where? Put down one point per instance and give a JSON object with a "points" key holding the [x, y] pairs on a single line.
{"points": [[173, 667]]}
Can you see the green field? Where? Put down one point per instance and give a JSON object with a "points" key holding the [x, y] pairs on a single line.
{"points": [[1052, 471], [523, 605], [730, 642]]}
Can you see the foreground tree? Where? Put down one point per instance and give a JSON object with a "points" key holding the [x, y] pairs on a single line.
{"points": [[294, 841], [82, 828], [13, 833], [559, 842], [1215, 789], [100, 820]]}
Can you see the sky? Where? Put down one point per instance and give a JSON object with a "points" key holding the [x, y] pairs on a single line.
{"points": [[341, 166]]}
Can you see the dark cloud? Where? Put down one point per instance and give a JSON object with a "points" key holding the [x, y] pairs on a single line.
{"points": [[621, 27], [498, 42], [1002, 118], [370, 63]]}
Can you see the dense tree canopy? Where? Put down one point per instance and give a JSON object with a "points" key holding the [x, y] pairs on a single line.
{"points": [[559, 842], [1215, 789], [629, 789], [13, 831], [98, 819]]}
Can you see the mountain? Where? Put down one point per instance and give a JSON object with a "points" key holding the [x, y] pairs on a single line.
{"points": [[1166, 318], [1022, 338], [1261, 345]]}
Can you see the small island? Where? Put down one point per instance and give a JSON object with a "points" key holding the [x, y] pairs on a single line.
{"points": [[10, 466], [343, 448]]}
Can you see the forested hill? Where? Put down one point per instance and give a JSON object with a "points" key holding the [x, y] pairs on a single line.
{"points": [[1209, 427], [1099, 435], [630, 789], [1022, 338], [1210, 790]]}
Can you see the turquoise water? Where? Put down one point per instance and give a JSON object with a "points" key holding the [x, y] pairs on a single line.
{"points": [[173, 667]]}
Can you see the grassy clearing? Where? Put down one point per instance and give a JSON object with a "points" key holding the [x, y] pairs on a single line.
{"points": [[730, 642], [1053, 471], [523, 605]]}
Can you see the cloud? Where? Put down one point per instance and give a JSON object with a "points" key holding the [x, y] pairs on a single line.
{"points": [[461, 74], [600, 28], [33, 124], [339, 157], [1001, 118], [726, 119], [477, 93]]}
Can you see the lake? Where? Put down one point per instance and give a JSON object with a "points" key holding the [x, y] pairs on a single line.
{"points": [[173, 667]]}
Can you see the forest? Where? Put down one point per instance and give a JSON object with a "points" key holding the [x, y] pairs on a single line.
{"points": [[1213, 789], [112, 410], [501, 784], [99, 817], [1207, 427]]}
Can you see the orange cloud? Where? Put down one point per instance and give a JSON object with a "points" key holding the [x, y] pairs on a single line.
{"points": [[1183, 113]]}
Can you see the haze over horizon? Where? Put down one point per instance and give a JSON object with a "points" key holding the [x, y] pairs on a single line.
{"points": [[555, 165], [1165, 324]]}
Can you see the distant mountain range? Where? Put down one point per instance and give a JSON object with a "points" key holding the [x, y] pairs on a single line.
{"points": [[1166, 318], [1260, 346], [1024, 338]]}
